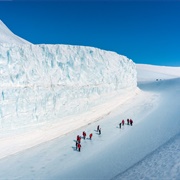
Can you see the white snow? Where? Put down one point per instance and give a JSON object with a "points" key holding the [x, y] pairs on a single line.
{"points": [[43, 84], [163, 163], [7, 37], [52, 93], [44, 88], [159, 72], [147, 150]]}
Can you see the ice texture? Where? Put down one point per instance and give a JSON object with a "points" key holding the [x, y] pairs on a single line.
{"points": [[43, 83]]}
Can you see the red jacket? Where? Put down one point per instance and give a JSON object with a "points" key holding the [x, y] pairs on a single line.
{"points": [[79, 145], [84, 134]]}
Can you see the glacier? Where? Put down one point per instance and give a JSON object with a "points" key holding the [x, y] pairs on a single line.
{"points": [[45, 83]]}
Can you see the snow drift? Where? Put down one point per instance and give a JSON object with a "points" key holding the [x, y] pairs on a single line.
{"points": [[44, 83]]}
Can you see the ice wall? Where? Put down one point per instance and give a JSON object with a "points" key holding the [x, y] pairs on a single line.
{"points": [[43, 83]]}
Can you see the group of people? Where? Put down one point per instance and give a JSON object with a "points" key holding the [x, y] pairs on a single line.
{"points": [[78, 143], [129, 122], [78, 140]]}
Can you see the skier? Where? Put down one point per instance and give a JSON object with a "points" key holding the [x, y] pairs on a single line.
{"points": [[123, 122], [131, 122], [120, 125], [79, 147], [99, 131], [127, 121], [98, 128], [90, 136]]}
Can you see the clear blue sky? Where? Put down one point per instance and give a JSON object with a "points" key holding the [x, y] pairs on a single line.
{"points": [[148, 32]]}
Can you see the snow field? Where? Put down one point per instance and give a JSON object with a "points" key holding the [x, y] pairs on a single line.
{"points": [[113, 153], [28, 138], [150, 72], [61, 159], [163, 163]]}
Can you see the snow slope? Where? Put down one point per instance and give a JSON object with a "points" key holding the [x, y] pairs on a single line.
{"points": [[163, 163], [150, 72], [147, 150], [7, 37]]}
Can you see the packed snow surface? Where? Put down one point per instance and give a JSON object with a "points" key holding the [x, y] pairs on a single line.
{"points": [[147, 150]]}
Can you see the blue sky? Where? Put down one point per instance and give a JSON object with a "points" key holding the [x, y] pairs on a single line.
{"points": [[148, 32]]}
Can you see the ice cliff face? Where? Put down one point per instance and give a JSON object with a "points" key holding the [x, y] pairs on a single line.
{"points": [[44, 83]]}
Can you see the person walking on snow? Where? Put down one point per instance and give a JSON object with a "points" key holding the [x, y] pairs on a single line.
{"points": [[98, 128], [79, 147], [90, 136], [84, 134], [123, 122], [99, 131], [120, 125], [131, 122], [127, 121], [77, 142], [78, 138]]}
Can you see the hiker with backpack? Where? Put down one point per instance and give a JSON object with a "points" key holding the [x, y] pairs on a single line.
{"points": [[131, 122], [90, 136], [84, 134], [123, 122], [79, 147], [98, 128]]}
